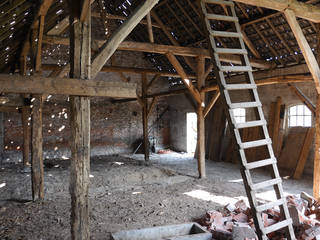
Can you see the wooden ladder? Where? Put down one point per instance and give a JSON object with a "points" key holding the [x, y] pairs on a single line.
{"points": [[226, 88]]}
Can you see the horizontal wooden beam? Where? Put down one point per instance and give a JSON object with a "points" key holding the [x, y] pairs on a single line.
{"points": [[54, 67], [66, 86], [164, 49], [262, 82], [9, 109], [301, 9], [270, 81]]}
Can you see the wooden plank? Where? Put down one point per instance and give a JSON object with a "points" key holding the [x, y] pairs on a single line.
{"points": [[316, 160], [66, 86], [80, 59], [37, 156], [163, 49], [276, 125], [211, 103], [12, 109], [144, 83], [117, 37], [59, 28], [250, 45], [291, 150], [305, 100], [25, 114], [193, 91], [304, 154], [150, 32], [304, 46], [302, 10]]}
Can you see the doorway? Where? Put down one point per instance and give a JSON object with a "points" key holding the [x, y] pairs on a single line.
{"points": [[191, 132]]}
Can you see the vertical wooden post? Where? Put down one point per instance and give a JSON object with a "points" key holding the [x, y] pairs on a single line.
{"points": [[1, 136], [80, 64], [316, 161], [316, 164], [25, 114], [39, 45], [37, 158], [144, 87], [200, 119]]}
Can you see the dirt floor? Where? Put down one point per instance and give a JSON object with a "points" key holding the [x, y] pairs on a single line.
{"points": [[124, 194]]}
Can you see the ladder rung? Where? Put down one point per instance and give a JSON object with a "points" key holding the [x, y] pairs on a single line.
{"points": [[277, 226], [245, 105], [221, 17], [225, 34], [231, 51], [261, 163], [256, 143], [219, 2], [265, 184], [250, 124], [270, 205], [239, 86], [235, 68]]}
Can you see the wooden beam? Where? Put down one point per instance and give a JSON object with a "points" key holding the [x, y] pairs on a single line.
{"points": [[193, 91], [37, 171], [276, 126], [150, 32], [80, 59], [155, 78], [84, 10], [200, 119], [117, 37], [304, 154], [163, 49], [304, 46], [303, 98], [117, 69], [302, 10], [250, 45], [316, 161], [211, 103], [25, 114], [65, 86], [39, 43], [151, 107], [1, 134], [59, 28], [11, 109], [144, 83]]}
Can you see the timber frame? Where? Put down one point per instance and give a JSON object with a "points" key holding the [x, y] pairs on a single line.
{"points": [[280, 35]]}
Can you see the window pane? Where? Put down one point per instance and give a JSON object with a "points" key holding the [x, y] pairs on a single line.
{"points": [[299, 120], [307, 121], [307, 111], [300, 110], [293, 110], [292, 121]]}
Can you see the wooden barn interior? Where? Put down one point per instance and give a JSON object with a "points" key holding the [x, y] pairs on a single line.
{"points": [[118, 115]]}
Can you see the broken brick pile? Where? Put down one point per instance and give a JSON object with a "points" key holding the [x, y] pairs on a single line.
{"points": [[235, 221]]}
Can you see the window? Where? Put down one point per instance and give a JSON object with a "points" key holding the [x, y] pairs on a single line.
{"points": [[299, 115], [239, 115]]}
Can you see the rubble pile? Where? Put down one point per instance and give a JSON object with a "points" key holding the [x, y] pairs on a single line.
{"points": [[235, 221]]}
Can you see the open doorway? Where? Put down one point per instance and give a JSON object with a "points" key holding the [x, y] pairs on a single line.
{"points": [[191, 132]]}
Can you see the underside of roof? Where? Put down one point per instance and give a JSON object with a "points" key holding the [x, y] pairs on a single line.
{"points": [[175, 22]]}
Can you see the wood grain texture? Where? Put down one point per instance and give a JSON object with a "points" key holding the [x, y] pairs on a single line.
{"points": [[37, 155]]}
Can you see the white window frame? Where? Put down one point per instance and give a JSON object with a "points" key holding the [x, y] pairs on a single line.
{"points": [[299, 115]]}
